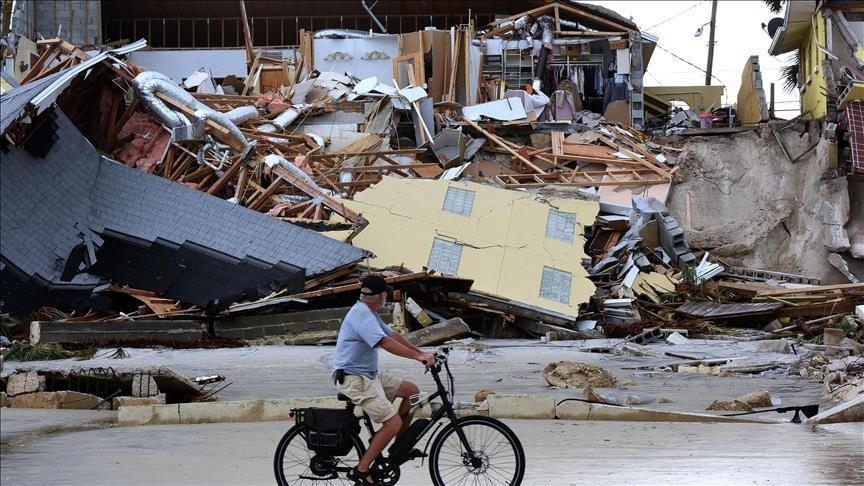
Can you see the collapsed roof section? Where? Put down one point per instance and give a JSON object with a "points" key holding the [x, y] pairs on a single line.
{"points": [[73, 218]]}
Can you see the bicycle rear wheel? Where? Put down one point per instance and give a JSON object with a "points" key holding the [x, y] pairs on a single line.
{"points": [[498, 455], [295, 464]]}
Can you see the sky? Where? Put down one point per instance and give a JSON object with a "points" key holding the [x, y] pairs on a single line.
{"points": [[738, 36]]}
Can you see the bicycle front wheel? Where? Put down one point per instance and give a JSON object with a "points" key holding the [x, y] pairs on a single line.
{"points": [[498, 455], [295, 464]]}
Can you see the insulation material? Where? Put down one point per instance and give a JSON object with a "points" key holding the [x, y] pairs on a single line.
{"points": [[147, 144]]}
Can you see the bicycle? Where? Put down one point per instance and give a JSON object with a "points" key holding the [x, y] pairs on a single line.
{"points": [[468, 450]]}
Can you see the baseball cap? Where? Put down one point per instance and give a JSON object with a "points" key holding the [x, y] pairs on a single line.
{"points": [[374, 285]]}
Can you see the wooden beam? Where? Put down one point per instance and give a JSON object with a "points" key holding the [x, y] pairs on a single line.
{"points": [[500, 143], [227, 176], [247, 35], [599, 20]]}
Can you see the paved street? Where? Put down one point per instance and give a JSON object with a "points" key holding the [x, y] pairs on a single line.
{"points": [[559, 453]]}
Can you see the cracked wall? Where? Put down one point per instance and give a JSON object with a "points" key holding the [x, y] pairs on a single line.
{"points": [[503, 239]]}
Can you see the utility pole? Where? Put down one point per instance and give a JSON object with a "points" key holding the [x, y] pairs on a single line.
{"points": [[711, 43]]}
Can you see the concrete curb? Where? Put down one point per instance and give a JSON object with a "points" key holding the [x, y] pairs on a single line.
{"points": [[497, 405]]}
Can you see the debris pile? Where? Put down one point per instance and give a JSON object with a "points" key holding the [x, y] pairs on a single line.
{"points": [[471, 185]]}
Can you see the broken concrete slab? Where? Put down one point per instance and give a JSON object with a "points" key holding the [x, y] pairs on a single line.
{"points": [[639, 350], [772, 346], [678, 339], [59, 399], [217, 412], [521, 406], [580, 410], [116, 331], [118, 402], [851, 411], [26, 382]]}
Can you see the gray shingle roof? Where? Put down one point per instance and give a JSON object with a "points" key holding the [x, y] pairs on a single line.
{"points": [[49, 206]]}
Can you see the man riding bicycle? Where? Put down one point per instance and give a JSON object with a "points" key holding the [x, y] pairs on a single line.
{"points": [[355, 370]]}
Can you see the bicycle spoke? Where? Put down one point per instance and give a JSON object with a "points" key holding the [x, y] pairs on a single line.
{"points": [[296, 465], [497, 457]]}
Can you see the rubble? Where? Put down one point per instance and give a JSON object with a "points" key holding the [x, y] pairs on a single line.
{"points": [[502, 194], [748, 402], [573, 374]]}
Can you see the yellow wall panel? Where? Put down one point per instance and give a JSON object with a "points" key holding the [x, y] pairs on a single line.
{"points": [[504, 240]]}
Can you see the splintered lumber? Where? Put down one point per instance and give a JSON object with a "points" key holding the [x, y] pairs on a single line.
{"points": [[316, 193], [621, 178], [505, 146], [438, 333]]}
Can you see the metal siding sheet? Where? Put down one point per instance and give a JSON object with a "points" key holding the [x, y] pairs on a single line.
{"points": [[710, 309], [855, 115]]}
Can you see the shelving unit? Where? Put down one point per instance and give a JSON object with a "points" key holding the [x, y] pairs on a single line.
{"points": [[518, 67]]}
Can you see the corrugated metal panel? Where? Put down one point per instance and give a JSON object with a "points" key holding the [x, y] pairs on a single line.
{"points": [[855, 115], [13, 102], [711, 309]]}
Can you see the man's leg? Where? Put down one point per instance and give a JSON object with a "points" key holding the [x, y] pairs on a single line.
{"points": [[370, 395], [380, 440], [405, 391]]}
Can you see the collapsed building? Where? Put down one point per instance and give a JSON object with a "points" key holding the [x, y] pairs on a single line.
{"points": [[500, 174]]}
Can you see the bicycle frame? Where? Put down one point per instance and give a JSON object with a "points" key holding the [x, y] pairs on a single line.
{"points": [[446, 409]]}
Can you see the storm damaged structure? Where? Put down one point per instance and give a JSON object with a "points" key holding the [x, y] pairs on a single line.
{"points": [[498, 171], [73, 220]]}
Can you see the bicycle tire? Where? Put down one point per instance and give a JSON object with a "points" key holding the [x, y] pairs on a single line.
{"points": [[298, 468], [501, 453]]}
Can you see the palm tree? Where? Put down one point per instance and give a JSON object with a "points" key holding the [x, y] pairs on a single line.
{"points": [[789, 72], [774, 5]]}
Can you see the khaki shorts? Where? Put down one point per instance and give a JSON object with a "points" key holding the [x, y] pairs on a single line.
{"points": [[375, 396]]}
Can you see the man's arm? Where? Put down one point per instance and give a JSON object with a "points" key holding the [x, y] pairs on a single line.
{"points": [[405, 342], [398, 345]]}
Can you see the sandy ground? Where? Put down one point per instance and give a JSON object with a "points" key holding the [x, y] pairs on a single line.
{"points": [[58, 447], [503, 366], [558, 453]]}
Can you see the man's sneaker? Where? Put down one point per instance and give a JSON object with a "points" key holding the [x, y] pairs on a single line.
{"points": [[360, 478]]}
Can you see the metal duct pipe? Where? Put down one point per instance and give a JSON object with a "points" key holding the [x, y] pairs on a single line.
{"points": [[201, 117], [149, 83], [521, 22], [547, 23], [241, 115], [374, 18], [280, 122], [571, 24], [274, 160], [344, 34]]}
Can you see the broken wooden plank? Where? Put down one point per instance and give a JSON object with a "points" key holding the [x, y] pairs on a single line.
{"points": [[500, 143], [438, 333]]}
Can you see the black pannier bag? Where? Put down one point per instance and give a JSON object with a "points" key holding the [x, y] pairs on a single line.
{"points": [[330, 430]]}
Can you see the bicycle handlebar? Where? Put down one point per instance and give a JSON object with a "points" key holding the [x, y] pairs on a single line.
{"points": [[440, 358]]}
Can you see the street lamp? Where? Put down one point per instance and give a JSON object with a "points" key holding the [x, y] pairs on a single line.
{"points": [[699, 30]]}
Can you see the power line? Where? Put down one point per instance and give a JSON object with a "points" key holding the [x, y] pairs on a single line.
{"points": [[688, 62], [675, 16]]}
